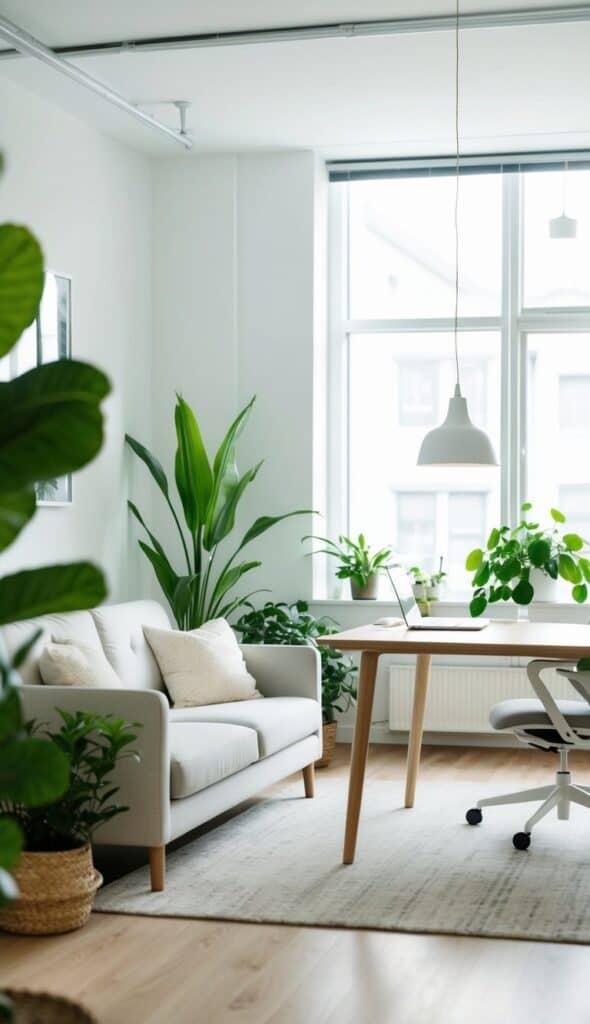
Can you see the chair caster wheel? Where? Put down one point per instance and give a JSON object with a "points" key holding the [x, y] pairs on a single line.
{"points": [[474, 816], [521, 840]]}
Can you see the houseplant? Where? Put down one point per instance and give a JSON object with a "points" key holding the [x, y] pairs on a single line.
{"points": [[517, 560], [55, 875], [357, 563], [50, 424], [426, 586], [294, 624], [209, 494]]}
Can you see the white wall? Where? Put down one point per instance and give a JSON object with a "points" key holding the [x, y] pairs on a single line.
{"points": [[88, 199], [235, 254]]}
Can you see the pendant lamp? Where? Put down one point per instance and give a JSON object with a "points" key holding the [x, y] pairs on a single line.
{"points": [[457, 442]]}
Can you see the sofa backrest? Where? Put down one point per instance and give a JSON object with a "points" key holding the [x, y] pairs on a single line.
{"points": [[117, 628]]}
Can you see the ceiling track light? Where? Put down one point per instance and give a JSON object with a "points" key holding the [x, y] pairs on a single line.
{"points": [[29, 46]]}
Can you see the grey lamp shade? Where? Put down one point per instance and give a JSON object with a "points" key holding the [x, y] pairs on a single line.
{"points": [[457, 442]]}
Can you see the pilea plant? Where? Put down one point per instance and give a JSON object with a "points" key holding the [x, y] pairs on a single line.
{"points": [[505, 570]]}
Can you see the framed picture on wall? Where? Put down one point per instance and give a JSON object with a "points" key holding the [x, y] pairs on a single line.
{"points": [[48, 338]]}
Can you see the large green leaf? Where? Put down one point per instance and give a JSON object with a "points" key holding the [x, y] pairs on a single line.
{"points": [[228, 579], [264, 523], [16, 508], [225, 472], [21, 282], [165, 575], [52, 588], [153, 464], [194, 480], [33, 771], [11, 716], [11, 841], [225, 520], [568, 569], [50, 422], [155, 542]]}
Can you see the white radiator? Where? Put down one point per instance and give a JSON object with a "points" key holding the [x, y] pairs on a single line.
{"points": [[460, 697]]}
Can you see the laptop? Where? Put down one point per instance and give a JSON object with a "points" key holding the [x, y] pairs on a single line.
{"points": [[411, 613]]}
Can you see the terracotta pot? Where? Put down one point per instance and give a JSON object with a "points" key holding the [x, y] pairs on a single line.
{"points": [[366, 593], [329, 744], [57, 892]]}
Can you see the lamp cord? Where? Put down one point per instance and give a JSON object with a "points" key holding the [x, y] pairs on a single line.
{"points": [[456, 318]]}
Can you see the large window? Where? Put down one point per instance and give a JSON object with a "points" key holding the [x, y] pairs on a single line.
{"points": [[524, 344]]}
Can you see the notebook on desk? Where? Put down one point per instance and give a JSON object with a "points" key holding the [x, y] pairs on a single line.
{"points": [[411, 613]]}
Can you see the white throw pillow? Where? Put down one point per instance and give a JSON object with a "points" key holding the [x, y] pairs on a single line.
{"points": [[65, 663], [204, 666]]}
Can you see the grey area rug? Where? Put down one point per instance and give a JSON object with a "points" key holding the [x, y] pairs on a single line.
{"points": [[419, 870]]}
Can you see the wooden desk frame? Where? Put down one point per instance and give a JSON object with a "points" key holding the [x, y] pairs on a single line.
{"points": [[562, 641]]}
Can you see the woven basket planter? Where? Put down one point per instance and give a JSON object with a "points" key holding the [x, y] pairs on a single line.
{"points": [[329, 744], [42, 1008], [57, 891]]}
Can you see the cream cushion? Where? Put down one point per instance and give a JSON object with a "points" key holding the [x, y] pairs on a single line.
{"points": [[278, 721], [73, 664], [204, 666], [202, 754]]}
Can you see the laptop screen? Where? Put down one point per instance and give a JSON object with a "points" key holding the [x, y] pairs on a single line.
{"points": [[405, 596]]}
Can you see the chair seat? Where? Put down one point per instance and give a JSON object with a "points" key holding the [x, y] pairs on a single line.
{"points": [[202, 754], [514, 713], [278, 721]]}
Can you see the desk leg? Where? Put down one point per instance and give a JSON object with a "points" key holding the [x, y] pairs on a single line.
{"points": [[366, 690], [415, 741]]}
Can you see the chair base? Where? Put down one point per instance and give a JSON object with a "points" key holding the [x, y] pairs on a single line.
{"points": [[559, 796]]}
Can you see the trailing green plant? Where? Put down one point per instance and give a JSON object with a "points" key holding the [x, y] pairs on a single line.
{"points": [[51, 424], [294, 624], [503, 571], [91, 744], [355, 559], [209, 495]]}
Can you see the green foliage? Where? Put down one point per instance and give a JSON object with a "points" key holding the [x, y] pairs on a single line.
{"points": [[90, 744], [50, 424], [293, 624], [209, 496], [503, 570], [356, 560], [427, 579]]}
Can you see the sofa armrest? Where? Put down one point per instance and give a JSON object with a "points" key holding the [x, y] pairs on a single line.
{"points": [[144, 786], [285, 670]]}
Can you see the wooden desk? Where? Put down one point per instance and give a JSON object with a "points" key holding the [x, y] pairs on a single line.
{"points": [[563, 641]]}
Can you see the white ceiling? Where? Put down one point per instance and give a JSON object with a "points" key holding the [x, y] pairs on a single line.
{"points": [[522, 87]]}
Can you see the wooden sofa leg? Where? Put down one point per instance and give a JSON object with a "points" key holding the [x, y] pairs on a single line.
{"points": [[158, 867], [309, 780]]}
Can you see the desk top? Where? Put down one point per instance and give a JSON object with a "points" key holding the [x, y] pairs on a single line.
{"points": [[500, 637]]}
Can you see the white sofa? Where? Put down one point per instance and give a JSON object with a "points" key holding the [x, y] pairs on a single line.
{"points": [[195, 762]]}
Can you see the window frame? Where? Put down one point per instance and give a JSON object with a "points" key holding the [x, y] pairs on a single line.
{"points": [[513, 323]]}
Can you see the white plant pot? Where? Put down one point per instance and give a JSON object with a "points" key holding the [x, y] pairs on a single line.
{"points": [[420, 591], [433, 592], [546, 589]]}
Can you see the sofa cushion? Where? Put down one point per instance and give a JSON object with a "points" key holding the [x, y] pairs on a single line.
{"points": [[278, 721], [204, 753], [76, 627], [201, 667], [120, 628], [70, 664]]}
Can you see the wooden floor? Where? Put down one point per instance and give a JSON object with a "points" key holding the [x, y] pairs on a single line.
{"points": [[134, 970]]}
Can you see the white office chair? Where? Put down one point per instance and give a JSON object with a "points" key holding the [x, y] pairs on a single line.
{"points": [[547, 724]]}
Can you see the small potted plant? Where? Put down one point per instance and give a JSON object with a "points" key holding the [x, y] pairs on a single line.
{"points": [[294, 624], [435, 581], [55, 875], [518, 562], [357, 563]]}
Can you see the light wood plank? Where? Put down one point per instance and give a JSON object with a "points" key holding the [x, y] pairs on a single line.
{"points": [[140, 970]]}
